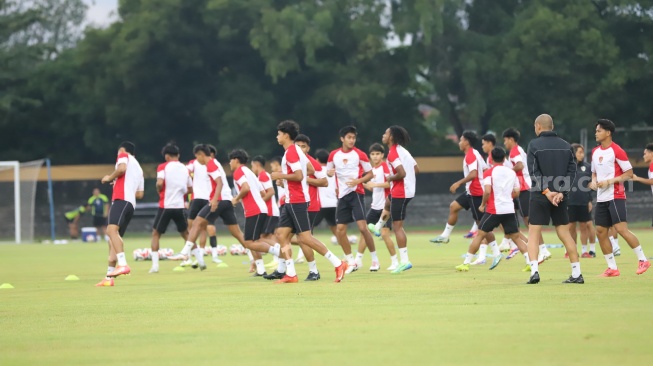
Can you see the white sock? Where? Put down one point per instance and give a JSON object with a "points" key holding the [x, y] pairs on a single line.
{"points": [[474, 228], [110, 269], [359, 257], [379, 225], [290, 268], [482, 252], [447, 230], [584, 248], [512, 244], [592, 247], [281, 268], [155, 259], [312, 267], [468, 258], [403, 254], [612, 263], [187, 247], [350, 258], [275, 251], [214, 252], [198, 255], [615, 244], [250, 255], [640, 253], [260, 267], [375, 258], [533, 267], [122, 261], [495, 249], [528, 261], [575, 270], [393, 259], [543, 248], [333, 259]]}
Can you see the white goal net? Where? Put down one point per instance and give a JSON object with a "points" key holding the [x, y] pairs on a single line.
{"points": [[18, 183]]}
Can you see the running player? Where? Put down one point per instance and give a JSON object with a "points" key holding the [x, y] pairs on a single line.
{"points": [[128, 186], [352, 168], [580, 205], [501, 186], [294, 213], [172, 182], [328, 197], [610, 168], [272, 220], [648, 159]]}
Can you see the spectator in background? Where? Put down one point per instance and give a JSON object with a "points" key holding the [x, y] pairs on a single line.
{"points": [[72, 218], [99, 205]]}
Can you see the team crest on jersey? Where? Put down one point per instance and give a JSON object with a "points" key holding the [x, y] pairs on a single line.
{"points": [[345, 161], [600, 159], [582, 168]]}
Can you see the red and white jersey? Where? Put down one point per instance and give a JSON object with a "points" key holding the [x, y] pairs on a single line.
{"points": [[201, 180], [176, 181], [294, 160], [328, 196], [253, 203], [399, 156], [226, 189], [503, 181], [266, 182], [489, 162], [349, 166], [215, 171], [281, 192], [650, 174], [518, 154], [379, 195], [315, 205], [607, 164], [126, 186], [473, 161]]}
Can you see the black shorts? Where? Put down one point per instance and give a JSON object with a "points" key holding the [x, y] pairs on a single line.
{"points": [[328, 214], [609, 213], [120, 214], [163, 217], [579, 213], [524, 201], [195, 207], [474, 204], [543, 212], [271, 224], [225, 211], [398, 208], [463, 201], [373, 217], [350, 208], [312, 217], [254, 226], [490, 222], [99, 221], [295, 216]]}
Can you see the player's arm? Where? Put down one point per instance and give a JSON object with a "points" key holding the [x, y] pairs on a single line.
{"points": [[318, 182], [627, 175], [295, 176], [371, 185], [159, 185], [364, 179], [106, 207], [518, 167], [267, 194], [119, 172], [401, 174], [642, 180], [486, 196], [244, 190], [416, 169], [140, 190]]}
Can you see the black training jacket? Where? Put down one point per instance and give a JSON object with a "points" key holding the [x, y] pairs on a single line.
{"points": [[581, 194], [551, 163]]}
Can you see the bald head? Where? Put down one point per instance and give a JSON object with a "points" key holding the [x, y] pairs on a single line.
{"points": [[545, 122]]}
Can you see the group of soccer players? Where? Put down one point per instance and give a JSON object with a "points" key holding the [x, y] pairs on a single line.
{"points": [[550, 181], [271, 226]]}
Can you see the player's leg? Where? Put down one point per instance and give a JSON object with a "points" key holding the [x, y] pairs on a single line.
{"points": [[613, 236], [112, 261], [603, 221], [161, 221], [343, 218], [560, 220], [540, 215], [382, 220], [398, 214], [387, 238], [620, 221], [591, 237], [461, 202], [122, 215], [474, 246]]}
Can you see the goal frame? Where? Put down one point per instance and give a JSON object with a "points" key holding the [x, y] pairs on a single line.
{"points": [[16, 166]]}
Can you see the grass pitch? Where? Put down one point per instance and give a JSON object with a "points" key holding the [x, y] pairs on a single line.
{"points": [[428, 315]]}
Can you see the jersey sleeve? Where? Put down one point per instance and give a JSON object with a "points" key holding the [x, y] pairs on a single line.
{"points": [[393, 158], [319, 172], [123, 158], [161, 171], [90, 200], [487, 177], [292, 159], [213, 170], [515, 156], [191, 166], [364, 161], [141, 184], [265, 180], [330, 165], [470, 161], [239, 177], [622, 159], [104, 198], [386, 170]]}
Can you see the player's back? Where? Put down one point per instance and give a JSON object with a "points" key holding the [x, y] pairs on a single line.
{"points": [[176, 181], [503, 181]]}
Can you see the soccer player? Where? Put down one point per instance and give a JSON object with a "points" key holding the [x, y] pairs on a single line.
{"points": [[250, 193], [352, 168], [580, 204], [99, 204], [610, 168], [554, 167], [501, 186], [72, 219], [272, 220], [128, 186], [518, 159], [172, 183], [275, 166], [380, 188], [648, 159], [328, 197], [294, 213]]}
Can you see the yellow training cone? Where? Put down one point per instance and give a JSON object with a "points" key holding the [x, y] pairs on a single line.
{"points": [[6, 285]]}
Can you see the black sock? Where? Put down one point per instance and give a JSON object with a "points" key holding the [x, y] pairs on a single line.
{"points": [[214, 241]]}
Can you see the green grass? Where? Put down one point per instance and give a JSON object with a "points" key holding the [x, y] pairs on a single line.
{"points": [[428, 315]]}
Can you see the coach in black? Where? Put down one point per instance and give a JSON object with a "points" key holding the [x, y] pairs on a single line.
{"points": [[553, 167]]}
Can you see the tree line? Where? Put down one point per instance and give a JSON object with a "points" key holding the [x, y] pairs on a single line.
{"points": [[227, 71]]}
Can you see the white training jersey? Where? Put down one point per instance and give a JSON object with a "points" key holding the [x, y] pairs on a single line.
{"points": [[349, 166], [293, 160], [126, 186], [503, 181], [328, 197], [518, 154], [176, 181], [473, 161], [489, 162], [379, 195], [266, 183], [399, 156], [201, 180], [226, 189], [281, 193], [253, 203], [609, 163]]}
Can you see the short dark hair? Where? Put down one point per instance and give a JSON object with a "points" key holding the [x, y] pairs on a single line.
{"points": [[212, 149], [322, 156], [471, 137], [170, 149], [239, 154], [128, 146], [511, 133], [576, 146], [649, 147], [259, 159], [347, 130], [498, 154], [376, 147], [489, 137], [204, 148], [399, 135], [606, 124], [276, 159], [303, 138], [290, 127]]}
